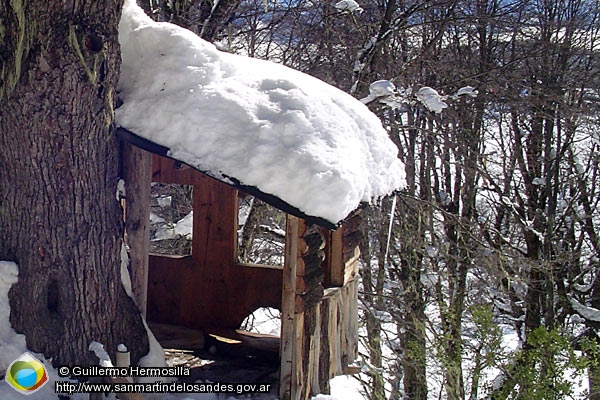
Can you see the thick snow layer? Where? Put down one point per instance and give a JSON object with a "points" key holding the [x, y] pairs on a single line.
{"points": [[285, 132]]}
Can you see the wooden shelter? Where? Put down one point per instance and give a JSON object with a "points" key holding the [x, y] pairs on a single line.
{"points": [[315, 289]]}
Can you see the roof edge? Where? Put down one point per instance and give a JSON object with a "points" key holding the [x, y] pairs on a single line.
{"points": [[155, 148]]}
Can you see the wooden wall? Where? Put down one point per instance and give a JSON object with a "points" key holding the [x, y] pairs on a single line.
{"points": [[208, 288], [316, 290]]}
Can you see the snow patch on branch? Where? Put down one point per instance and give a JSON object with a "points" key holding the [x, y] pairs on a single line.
{"points": [[467, 91], [589, 313], [379, 89], [431, 99], [348, 6]]}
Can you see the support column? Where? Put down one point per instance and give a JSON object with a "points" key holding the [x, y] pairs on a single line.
{"points": [[137, 174]]}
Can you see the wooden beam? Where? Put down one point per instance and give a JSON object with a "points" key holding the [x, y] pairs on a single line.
{"points": [[314, 355], [335, 263], [288, 315], [350, 335], [273, 200], [351, 266], [137, 174]]}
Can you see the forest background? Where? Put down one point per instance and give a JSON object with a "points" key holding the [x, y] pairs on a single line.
{"points": [[494, 108]]}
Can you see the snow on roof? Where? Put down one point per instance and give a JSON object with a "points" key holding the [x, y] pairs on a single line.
{"points": [[288, 134]]}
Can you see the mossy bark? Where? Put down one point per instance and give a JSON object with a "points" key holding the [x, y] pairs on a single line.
{"points": [[59, 168]]}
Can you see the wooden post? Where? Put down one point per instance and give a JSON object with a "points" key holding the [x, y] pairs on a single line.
{"points": [[123, 357], [288, 304], [137, 173], [335, 275], [114, 380]]}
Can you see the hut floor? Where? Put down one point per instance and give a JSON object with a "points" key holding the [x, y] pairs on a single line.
{"points": [[220, 355]]}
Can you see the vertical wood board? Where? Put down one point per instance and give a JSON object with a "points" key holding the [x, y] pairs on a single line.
{"points": [[137, 174], [288, 316]]}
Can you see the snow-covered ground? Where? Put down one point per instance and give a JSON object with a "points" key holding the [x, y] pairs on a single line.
{"points": [[13, 345]]}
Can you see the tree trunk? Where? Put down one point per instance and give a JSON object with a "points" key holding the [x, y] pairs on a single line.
{"points": [[372, 281], [411, 325], [59, 217]]}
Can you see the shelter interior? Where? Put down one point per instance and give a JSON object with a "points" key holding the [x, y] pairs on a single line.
{"points": [[197, 302]]}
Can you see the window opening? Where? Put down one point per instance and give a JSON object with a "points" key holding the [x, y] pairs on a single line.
{"points": [[261, 232], [171, 219]]}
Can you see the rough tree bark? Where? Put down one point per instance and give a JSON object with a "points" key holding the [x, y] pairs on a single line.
{"points": [[59, 168]]}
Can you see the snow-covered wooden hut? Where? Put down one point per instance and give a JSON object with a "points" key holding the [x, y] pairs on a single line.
{"points": [[222, 123]]}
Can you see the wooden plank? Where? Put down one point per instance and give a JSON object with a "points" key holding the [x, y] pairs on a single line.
{"points": [[300, 284], [302, 245], [210, 288], [299, 304], [312, 261], [166, 170], [167, 288], [215, 221], [176, 297], [288, 316], [351, 266], [298, 374], [309, 367], [314, 354], [263, 266], [334, 275], [324, 356], [335, 335], [352, 322], [301, 265], [351, 241], [137, 173]]}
